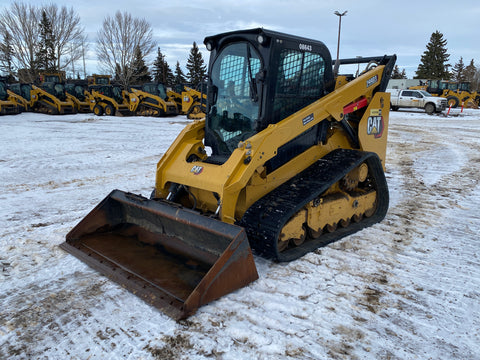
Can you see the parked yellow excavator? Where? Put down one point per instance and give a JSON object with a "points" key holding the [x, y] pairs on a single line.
{"points": [[289, 158], [151, 100]]}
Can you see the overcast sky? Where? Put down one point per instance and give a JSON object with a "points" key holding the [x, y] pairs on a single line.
{"points": [[370, 28]]}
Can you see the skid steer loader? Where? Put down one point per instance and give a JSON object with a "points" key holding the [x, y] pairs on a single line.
{"points": [[152, 100], [9, 103], [288, 159], [190, 101], [110, 100], [22, 94], [76, 91], [194, 102]]}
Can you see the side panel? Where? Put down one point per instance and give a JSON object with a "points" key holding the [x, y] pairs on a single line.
{"points": [[373, 128]]}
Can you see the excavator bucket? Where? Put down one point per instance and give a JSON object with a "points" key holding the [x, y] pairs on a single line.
{"points": [[175, 259]]}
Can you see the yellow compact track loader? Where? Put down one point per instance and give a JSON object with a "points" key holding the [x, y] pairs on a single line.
{"points": [[152, 100], [191, 102], [288, 159], [51, 98], [194, 102], [22, 94], [77, 93], [49, 95], [9, 102]]}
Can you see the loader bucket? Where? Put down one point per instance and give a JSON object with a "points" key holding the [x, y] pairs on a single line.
{"points": [[175, 259]]}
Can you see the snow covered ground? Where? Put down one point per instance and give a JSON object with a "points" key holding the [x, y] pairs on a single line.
{"points": [[406, 288]]}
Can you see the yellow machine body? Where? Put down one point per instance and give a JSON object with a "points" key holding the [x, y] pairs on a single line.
{"points": [[110, 100], [149, 101], [289, 157], [10, 103]]}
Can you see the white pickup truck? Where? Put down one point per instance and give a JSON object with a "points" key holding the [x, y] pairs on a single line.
{"points": [[416, 99]]}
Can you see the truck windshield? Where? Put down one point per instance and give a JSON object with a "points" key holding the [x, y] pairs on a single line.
{"points": [[425, 93], [234, 108]]}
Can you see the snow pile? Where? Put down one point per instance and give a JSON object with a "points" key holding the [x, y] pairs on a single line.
{"points": [[407, 288]]}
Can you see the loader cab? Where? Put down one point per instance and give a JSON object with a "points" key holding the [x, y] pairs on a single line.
{"points": [[464, 86], [453, 86], [22, 89], [3, 91], [156, 89], [76, 90], [259, 77], [55, 89]]}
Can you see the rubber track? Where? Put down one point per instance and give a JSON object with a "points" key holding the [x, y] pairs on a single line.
{"points": [[264, 220]]}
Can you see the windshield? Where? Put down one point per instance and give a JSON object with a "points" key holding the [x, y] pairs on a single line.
{"points": [[453, 86], [117, 94], [59, 92], [424, 93], [3, 92], [156, 89], [464, 86], [234, 108]]}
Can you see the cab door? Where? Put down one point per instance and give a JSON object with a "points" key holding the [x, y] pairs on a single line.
{"points": [[406, 98]]}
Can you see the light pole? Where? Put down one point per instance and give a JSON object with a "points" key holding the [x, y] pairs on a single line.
{"points": [[337, 62]]}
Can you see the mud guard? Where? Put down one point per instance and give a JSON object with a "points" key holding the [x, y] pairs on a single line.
{"points": [[175, 259]]}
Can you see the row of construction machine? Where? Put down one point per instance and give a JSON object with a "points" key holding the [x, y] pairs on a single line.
{"points": [[289, 157], [47, 95], [51, 94], [146, 100], [456, 93]]}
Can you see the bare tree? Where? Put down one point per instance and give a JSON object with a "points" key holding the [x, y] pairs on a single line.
{"points": [[117, 41], [21, 22], [68, 34]]}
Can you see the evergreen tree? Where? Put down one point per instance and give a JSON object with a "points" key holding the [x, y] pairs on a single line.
{"points": [[197, 70], [161, 70], [45, 58], [458, 71], [170, 76], [434, 60], [470, 71], [140, 72], [396, 74], [6, 56], [179, 75]]}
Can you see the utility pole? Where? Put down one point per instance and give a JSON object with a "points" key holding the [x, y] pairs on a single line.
{"points": [[337, 62]]}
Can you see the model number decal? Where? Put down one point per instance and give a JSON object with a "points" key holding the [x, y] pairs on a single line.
{"points": [[196, 169], [307, 119], [372, 80], [375, 126], [305, 47]]}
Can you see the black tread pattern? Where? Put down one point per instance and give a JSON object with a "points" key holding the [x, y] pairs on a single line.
{"points": [[264, 220]]}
